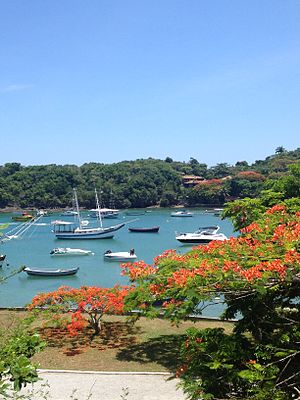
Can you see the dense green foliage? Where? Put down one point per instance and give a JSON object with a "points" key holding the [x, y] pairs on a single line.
{"points": [[141, 183], [258, 277], [17, 346]]}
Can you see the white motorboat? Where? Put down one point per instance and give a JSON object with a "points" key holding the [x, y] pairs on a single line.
{"points": [[182, 213], [120, 255], [69, 213], [203, 235], [67, 251]]}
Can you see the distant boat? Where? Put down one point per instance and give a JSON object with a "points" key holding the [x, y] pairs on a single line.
{"points": [[215, 211], [135, 213], [203, 235], [110, 212], [25, 216], [54, 272], [151, 229], [69, 213], [105, 213], [182, 213], [67, 251], [120, 255], [65, 230], [2, 259]]}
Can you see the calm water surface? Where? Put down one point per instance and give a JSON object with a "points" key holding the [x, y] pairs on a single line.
{"points": [[33, 250]]}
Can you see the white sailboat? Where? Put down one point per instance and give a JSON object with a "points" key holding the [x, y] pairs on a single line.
{"points": [[71, 231]]}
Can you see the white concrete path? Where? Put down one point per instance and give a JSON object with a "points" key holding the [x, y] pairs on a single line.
{"points": [[89, 385]]}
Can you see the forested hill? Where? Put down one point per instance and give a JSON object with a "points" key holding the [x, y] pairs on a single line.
{"points": [[142, 183]]}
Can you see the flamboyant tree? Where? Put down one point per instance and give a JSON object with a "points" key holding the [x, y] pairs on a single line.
{"points": [[258, 277], [86, 305]]}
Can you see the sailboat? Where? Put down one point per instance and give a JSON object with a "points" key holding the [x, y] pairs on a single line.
{"points": [[68, 230], [110, 212]]}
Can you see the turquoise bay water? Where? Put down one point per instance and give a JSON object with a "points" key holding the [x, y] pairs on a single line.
{"points": [[33, 250]]}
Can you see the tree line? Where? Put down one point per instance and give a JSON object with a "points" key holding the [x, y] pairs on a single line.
{"points": [[140, 183]]}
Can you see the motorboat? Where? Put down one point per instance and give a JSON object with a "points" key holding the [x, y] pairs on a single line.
{"points": [[53, 272], [151, 229], [182, 213], [69, 213], [105, 213], [214, 211], [2, 259], [77, 230], [203, 235], [67, 251], [120, 256]]}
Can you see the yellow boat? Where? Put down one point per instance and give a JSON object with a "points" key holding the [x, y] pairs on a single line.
{"points": [[25, 216]]}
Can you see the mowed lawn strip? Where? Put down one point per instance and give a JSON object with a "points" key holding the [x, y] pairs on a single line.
{"points": [[145, 346]]}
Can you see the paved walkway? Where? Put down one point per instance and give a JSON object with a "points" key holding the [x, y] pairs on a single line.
{"points": [[82, 385]]}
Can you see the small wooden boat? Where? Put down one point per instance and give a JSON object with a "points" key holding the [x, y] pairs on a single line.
{"points": [[53, 272], [150, 229], [2, 259], [22, 217]]}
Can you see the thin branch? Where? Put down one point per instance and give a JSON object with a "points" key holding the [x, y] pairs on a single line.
{"points": [[287, 379]]}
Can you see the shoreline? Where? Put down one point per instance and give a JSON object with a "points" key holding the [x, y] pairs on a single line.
{"points": [[15, 209]]}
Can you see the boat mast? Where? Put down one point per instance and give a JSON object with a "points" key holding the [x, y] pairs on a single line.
{"points": [[77, 207], [98, 208]]}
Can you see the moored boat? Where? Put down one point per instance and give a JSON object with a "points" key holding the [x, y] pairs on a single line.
{"points": [[53, 272], [182, 213], [25, 216], [65, 230], [135, 213], [67, 251], [2, 259], [69, 213], [105, 213], [203, 235], [120, 255], [145, 229]]}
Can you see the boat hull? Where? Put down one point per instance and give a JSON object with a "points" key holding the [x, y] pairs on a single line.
{"points": [[201, 239], [96, 233], [58, 272], [22, 219], [72, 236], [194, 241], [153, 229]]}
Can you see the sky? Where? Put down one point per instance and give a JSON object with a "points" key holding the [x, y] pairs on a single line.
{"points": [[113, 80]]}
